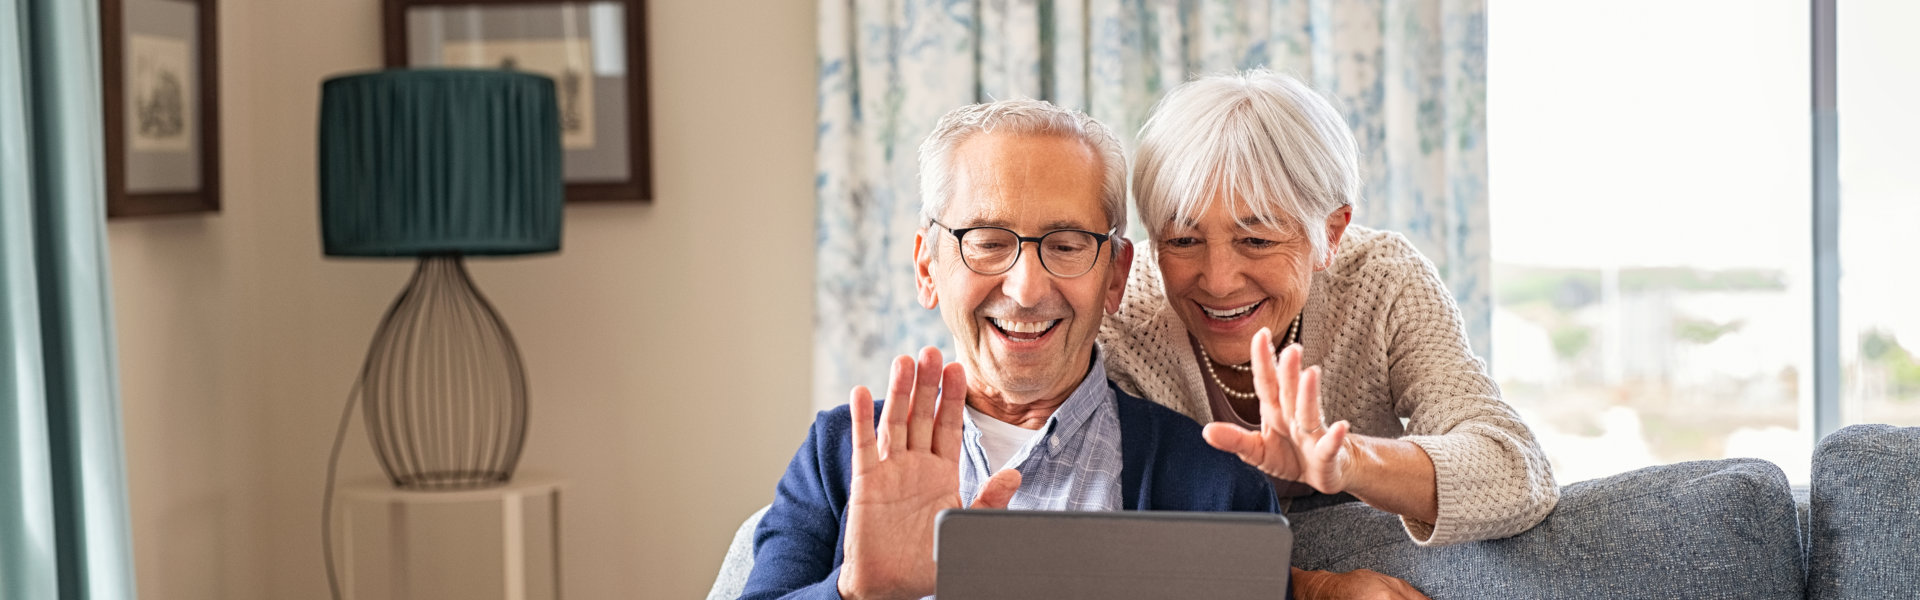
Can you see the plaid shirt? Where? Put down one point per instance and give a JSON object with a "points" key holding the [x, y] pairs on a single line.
{"points": [[1073, 464]]}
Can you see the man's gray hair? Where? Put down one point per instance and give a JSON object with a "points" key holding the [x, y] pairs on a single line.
{"points": [[1024, 117], [1279, 150]]}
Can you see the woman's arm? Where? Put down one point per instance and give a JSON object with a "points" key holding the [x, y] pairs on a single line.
{"points": [[1393, 475], [1490, 478], [1468, 470]]}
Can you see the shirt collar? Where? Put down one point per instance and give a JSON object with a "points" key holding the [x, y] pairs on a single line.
{"points": [[1086, 399]]}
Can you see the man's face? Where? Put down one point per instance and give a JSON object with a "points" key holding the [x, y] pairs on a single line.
{"points": [[1025, 335]]}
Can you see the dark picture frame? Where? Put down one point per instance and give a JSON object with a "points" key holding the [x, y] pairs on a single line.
{"points": [[608, 150], [160, 95]]}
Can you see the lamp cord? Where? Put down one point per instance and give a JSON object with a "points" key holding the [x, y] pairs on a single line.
{"points": [[326, 499]]}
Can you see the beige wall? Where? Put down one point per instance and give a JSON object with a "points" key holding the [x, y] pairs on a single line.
{"points": [[668, 344]]}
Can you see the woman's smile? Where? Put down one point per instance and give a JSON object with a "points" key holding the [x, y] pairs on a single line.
{"points": [[1228, 315]]}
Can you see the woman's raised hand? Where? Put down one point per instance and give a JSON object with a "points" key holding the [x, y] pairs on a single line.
{"points": [[1292, 443]]}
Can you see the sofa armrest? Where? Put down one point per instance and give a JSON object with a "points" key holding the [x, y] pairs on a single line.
{"points": [[734, 569], [1709, 529]]}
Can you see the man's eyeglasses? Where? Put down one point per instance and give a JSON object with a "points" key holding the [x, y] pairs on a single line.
{"points": [[1066, 253]]}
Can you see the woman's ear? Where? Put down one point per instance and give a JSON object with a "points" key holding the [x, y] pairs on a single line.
{"points": [[923, 248], [1336, 228]]}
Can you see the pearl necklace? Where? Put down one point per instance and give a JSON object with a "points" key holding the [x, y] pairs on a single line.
{"points": [[1293, 336]]}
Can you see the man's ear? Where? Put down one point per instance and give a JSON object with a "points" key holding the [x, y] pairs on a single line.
{"points": [[923, 269], [1336, 227], [1117, 275]]}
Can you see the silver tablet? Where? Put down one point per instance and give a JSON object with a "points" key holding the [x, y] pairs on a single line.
{"points": [[1120, 555]]}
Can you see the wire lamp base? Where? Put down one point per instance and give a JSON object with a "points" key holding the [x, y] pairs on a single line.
{"points": [[444, 390]]}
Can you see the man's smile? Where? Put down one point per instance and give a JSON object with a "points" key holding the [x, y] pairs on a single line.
{"points": [[1023, 332]]}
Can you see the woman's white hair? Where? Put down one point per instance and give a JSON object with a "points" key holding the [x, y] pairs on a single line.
{"points": [[1025, 117], [1263, 142]]}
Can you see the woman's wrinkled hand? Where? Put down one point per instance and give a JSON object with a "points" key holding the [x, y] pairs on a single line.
{"points": [[1292, 443]]}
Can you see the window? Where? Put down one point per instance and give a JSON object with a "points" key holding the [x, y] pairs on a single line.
{"points": [[1879, 167], [1650, 191]]}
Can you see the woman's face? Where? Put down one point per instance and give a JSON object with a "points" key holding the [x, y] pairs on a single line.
{"points": [[1227, 279]]}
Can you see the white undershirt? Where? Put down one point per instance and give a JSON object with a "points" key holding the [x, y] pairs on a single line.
{"points": [[1000, 440]]}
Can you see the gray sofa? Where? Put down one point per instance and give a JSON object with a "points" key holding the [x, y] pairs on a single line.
{"points": [[1865, 514], [1711, 529]]}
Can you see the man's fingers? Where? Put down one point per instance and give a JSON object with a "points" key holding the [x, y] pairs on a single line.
{"points": [[953, 401], [926, 387], [998, 491], [893, 416], [865, 455]]}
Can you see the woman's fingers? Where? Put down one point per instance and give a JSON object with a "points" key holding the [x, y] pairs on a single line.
{"points": [[865, 454], [1266, 378], [1328, 447], [1236, 440], [1289, 382], [1306, 404]]}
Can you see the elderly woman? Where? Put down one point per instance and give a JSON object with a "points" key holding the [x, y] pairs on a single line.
{"points": [[1247, 183]]}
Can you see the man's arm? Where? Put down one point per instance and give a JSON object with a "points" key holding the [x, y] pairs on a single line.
{"points": [[888, 479], [796, 543]]}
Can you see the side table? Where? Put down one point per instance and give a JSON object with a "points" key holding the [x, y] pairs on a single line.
{"points": [[464, 544]]}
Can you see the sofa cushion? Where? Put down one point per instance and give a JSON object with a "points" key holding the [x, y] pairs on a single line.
{"points": [[732, 580], [1709, 529], [1865, 540]]}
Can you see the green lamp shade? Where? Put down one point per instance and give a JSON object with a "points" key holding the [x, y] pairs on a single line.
{"points": [[439, 161]]}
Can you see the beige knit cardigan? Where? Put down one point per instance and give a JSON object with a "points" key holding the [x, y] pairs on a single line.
{"points": [[1391, 345]]}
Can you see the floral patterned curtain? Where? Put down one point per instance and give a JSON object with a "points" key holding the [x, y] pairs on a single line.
{"points": [[1409, 75]]}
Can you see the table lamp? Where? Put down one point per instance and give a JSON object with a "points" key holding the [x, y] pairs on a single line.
{"points": [[440, 164]]}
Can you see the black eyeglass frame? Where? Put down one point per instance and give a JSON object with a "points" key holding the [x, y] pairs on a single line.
{"points": [[1039, 248]]}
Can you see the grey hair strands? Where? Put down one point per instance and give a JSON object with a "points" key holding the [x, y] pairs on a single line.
{"points": [[1263, 142], [1021, 117]]}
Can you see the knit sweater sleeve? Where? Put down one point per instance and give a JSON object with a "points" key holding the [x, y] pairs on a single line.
{"points": [[1492, 478]]}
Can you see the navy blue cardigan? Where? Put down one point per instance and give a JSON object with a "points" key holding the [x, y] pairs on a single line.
{"points": [[1166, 466]]}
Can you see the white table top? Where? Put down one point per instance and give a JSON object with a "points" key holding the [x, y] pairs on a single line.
{"points": [[381, 489]]}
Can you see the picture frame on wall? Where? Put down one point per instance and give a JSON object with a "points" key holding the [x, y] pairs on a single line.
{"points": [[595, 52], [160, 95]]}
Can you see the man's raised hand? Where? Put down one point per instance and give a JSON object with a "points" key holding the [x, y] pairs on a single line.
{"points": [[905, 472]]}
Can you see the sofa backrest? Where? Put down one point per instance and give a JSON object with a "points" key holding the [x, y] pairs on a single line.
{"points": [[1865, 535], [732, 579], [1708, 529]]}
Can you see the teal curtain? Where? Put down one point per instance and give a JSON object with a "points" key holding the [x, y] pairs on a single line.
{"points": [[1409, 75], [63, 500]]}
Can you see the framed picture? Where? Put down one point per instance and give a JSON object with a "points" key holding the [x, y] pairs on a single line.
{"points": [[159, 70], [594, 50]]}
